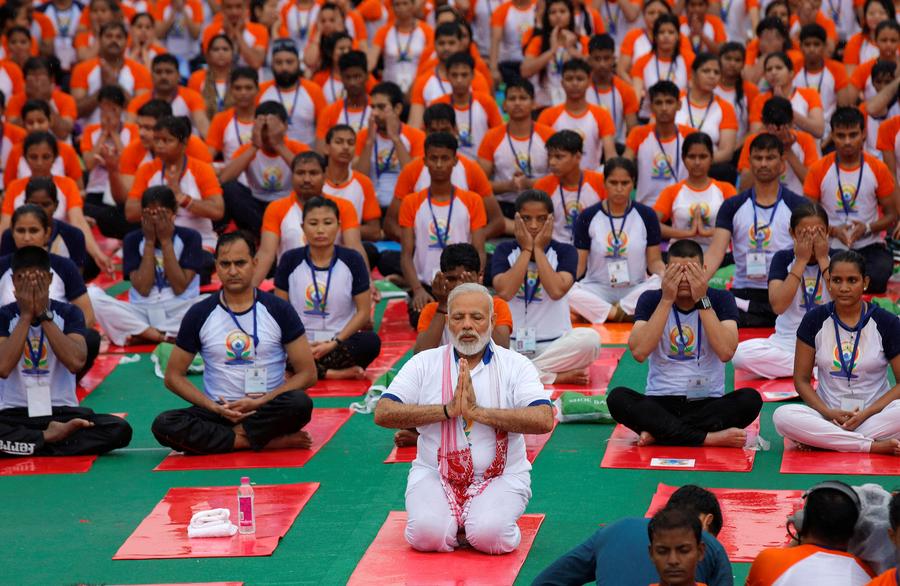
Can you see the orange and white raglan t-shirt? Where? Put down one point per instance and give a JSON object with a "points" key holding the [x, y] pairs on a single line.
{"points": [[678, 203], [658, 160], [474, 120], [466, 175], [569, 202], [806, 564], [284, 218], [67, 191], [593, 125], [359, 191]]}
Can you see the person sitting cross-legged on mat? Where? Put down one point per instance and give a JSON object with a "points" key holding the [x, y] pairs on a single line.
{"points": [[471, 401], [688, 332], [676, 547], [820, 555], [797, 285], [615, 553], [161, 261], [41, 348], [328, 285], [853, 343], [534, 273], [245, 337]]}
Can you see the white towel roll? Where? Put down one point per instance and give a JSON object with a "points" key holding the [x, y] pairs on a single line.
{"points": [[225, 529]]}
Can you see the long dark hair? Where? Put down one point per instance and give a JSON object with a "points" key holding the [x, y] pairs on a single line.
{"points": [[730, 47], [667, 19], [547, 30]]}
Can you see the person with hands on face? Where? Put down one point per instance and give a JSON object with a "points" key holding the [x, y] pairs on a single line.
{"points": [[806, 101], [859, 194], [246, 337], [534, 273], [797, 285], [250, 39], [36, 116], [42, 346], [852, 343], [167, 87], [162, 262], [471, 401], [687, 332]]}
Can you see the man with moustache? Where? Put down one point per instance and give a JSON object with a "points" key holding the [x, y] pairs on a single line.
{"points": [[471, 401]]}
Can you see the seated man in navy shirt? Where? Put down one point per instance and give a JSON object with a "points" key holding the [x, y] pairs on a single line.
{"points": [[42, 346], [245, 337], [688, 332], [616, 555]]}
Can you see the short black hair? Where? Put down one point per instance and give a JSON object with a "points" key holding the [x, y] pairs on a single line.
{"points": [[390, 90], [461, 254], [565, 140], [114, 24], [894, 511], [766, 141], [244, 72], [808, 210], [161, 195], [30, 257], [309, 156], [534, 195], [848, 116], [849, 256], [686, 248], [164, 58], [338, 128], [696, 138], [441, 140], [883, 68], [696, 499], [670, 519], [576, 64], [319, 201], [664, 88], [230, 238], [437, 112], [41, 137], [521, 83], [775, 24], [829, 515], [177, 126], [813, 31], [778, 111], [448, 29], [37, 64], [460, 58], [46, 184], [155, 109], [626, 165], [601, 42], [31, 209], [112, 93], [353, 59], [35, 106], [272, 108], [887, 24]]}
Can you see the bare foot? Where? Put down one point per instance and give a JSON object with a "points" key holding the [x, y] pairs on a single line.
{"points": [[573, 377], [300, 440], [57, 431], [354, 372], [727, 438], [645, 439], [151, 334], [890, 447], [406, 438]]}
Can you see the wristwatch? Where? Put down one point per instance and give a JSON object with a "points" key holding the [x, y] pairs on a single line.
{"points": [[47, 315], [703, 303]]}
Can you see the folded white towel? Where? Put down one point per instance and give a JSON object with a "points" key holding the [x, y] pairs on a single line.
{"points": [[213, 516], [222, 529]]}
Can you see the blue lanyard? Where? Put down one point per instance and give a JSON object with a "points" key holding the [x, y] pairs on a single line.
{"points": [[809, 300], [725, 9], [303, 28], [442, 236], [669, 75], [847, 367], [437, 76], [617, 238], [321, 299], [756, 227], [530, 292], [237, 130], [681, 340], [362, 119], [525, 167], [845, 201], [673, 170], [403, 54], [162, 172], [36, 356], [821, 79], [381, 170], [570, 218], [612, 94], [705, 114], [467, 141], [612, 23], [237, 323], [294, 105]]}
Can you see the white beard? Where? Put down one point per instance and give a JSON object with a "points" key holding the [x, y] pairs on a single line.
{"points": [[470, 348]]}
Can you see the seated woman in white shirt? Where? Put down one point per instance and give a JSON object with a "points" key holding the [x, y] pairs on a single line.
{"points": [[328, 285], [618, 246], [791, 298], [852, 343]]}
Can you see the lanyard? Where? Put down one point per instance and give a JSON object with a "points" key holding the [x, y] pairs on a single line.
{"points": [[162, 172], [530, 292], [725, 9], [466, 139], [617, 238], [403, 53], [821, 79], [36, 356], [570, 218], [321, 298], [442, 236], [848, 366], [334, 96], [362, 119], [682, 342], [611, 21], [303, 27], [525, 167], [756, 227], [294, 105], [237, 323], [237, 130], [669, 75], [381, 170], [612, 94], [845, 200], [705, 114], [809, 299], [835, 11], [673, 170], [220, 99], [440, 81], [63, 28]]}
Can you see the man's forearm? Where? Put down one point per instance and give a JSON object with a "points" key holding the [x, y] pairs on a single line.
{"points": [[722, 339], [68, 351], [184, 388], [395, 415], [535, 419]]}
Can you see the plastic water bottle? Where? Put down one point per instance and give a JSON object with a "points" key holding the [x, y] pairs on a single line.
{"points": [[246, 516]]}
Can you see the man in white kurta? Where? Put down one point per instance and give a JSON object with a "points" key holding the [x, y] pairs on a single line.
{"points": [[471, 401]]}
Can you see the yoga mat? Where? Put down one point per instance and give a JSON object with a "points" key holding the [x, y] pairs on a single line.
{"points": [[613, 333], [103, 366], [391, 352], [753, 519], [771, 390], [752, 333], [621, 452], [600, 371], [533, 446], [107, 347], [324, 424], [191, 584], [390, 560], [395, 323], [163, 533], [812, 461]]}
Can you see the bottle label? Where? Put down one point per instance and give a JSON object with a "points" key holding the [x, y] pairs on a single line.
{"points": [[245, 510]]}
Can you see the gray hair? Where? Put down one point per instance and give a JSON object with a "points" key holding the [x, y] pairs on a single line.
{"points": [[471, 288]]}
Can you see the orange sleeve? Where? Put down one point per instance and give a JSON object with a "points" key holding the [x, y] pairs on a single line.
{"points": [[812, 186], [604, 121], [417, 96], [137, 101], [499, 17], [544, 131], [80, 75], [141, 180], [359, 26], [275, 213], [547, 184], [841, 80], [130, 161], [729, 117], [14, 105], [809, 146], [757, 107], [665, 200], [549, 115], [196, 80], [193, 100], [11, 172], [490, 142], [416, 141], [380, 36], [481, 81], [361, 140], [721, 35], [477, 215], [65, 104], [885, 180], [371, 210], [370, 9], [427, 314], [71, 162], [215, 136], [728, 189], [595, 180], [87, 138], [327, 119], [502, 314], [71, 191], [408, 208], [346, 214], [13, 190], [637, 69], [861, 75], [196, 149], [296, 146], [241, 150], [812, 97], [750, 92], [630, 103], [630, 39], [478, 180], [887, 132], [316, 95], [534, 47], [494, 117], [636, 137], [206, 179], [408, 177]]}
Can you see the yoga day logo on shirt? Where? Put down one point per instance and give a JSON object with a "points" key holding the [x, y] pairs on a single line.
{"points": [[385, 163], [29, 366], [531, 286], [465, 136], [272, 178], [846, 198], [846, 348], [313, 307], [659, 169], [438, 227], [573, 208], [809, 284], [616, 249], [238, 348], [682, 346], [760, 238], [705, 212]]}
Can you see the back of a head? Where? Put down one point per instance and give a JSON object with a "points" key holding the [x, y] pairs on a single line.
{"points": [[829, 518], [438, 112], [698, 501], [778, 111], [462, 255]]}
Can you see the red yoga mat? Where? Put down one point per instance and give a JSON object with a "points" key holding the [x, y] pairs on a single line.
{"points": [[390, 560], [103, 367], [812, 461], [621, 452], [324, 424], [752, 333], [753, 519], [771, 390], [601, 372], [533, 446], [613, 333], [195, 584], [107, 347], [163, 533]]}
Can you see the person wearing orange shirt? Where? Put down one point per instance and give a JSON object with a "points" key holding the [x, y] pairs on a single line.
{"points": [[403, 44], [771, 37], [608, 89], [882, 107], [809, 12], [666, 61], [861, 46], [676, 546], [328, 73], [806, 102], [509, 23], [39, 85], [212, 82], [178, 26], [733, 88], [297, 20], [38, 116], [343, 182], [63, 15], [40, 26], [266, 163], [99, 13], [827, 76], [705, 31], [353, 109], [142, 44], [249, 38], [10, 136], [887, 39], [890, 577], [638, 41], [185, 101], [546, 52], [113, 68], [231, 128]]}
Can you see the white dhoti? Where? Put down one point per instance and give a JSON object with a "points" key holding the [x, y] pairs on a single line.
{"points": [[575, 349], [490, 525], [120, 319], [771, 357], [804, 425], [594, 302]]}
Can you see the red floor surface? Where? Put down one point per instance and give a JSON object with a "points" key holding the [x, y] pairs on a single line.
{"points": [[601, 372], [771, 390], [533, 446], [753, 519], [795, 461], [390, 560], [325, 423], [163, 533], [751, 333]]}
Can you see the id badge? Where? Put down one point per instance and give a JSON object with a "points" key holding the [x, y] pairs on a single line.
{"points": [[37, 391], [756, 265], [526, 340], [850, 404], [320, 335], [156, 316], [618, 273], [697, 388], [255, 380]]}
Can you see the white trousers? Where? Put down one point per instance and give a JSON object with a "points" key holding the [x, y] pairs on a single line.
{"points": [[804, 425], [490, 525], [120, 319], [594, 302], [771, 357], [577, 348]]}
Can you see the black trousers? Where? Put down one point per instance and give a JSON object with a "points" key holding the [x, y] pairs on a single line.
{"points": [[92, 341], [240, 206], [21, 435], [360, 349], [759, 314], [110, 219], [195, 430], [879, 266], [675, 421]]}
